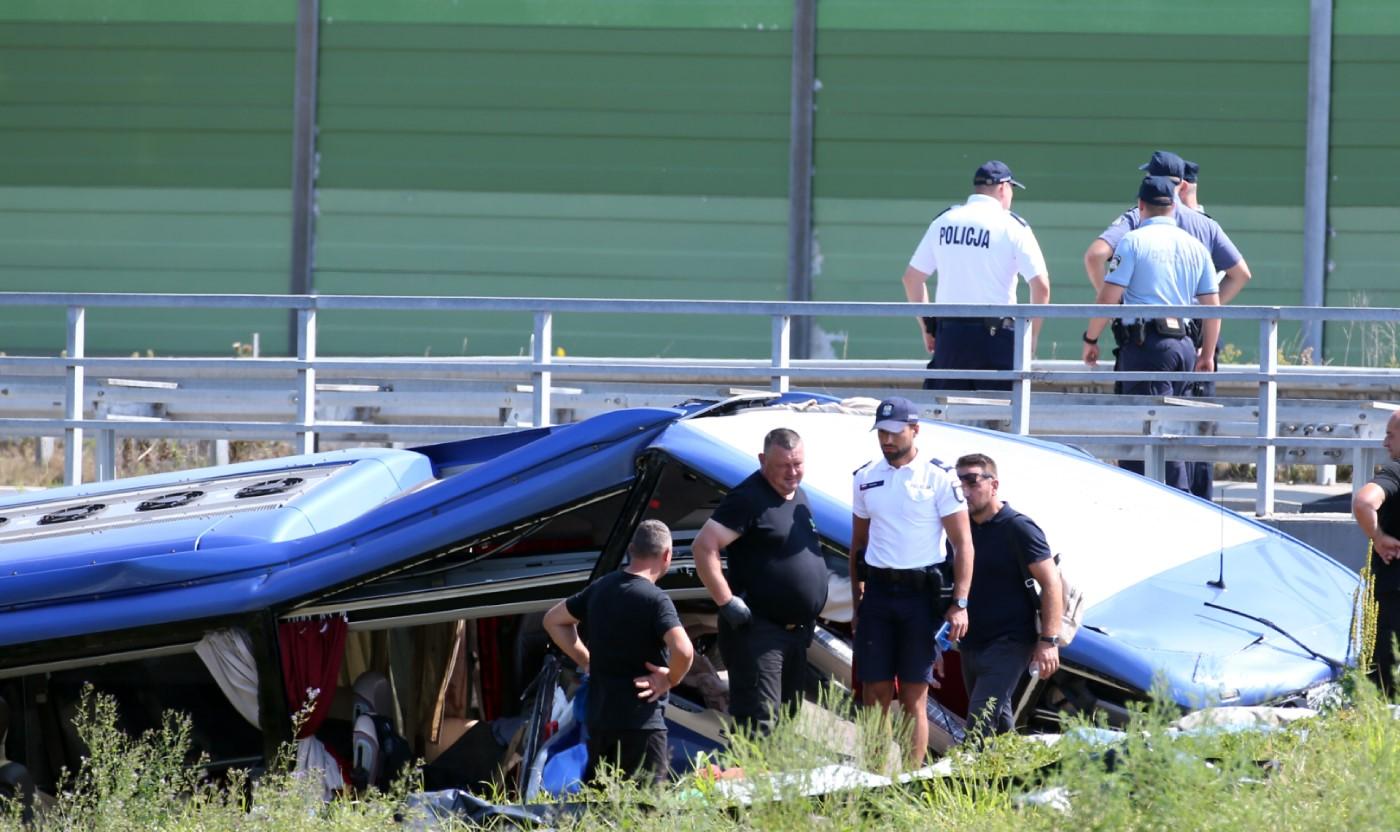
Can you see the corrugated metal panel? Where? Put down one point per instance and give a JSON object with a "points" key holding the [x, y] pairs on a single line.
{"points": [[630, 148], [1365, 166], [552, 161], [151, 154], [904, 118]]}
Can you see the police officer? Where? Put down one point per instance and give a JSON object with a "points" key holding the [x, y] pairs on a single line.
{"points": [[901, 505], [1002, 640], [1158, 264], [776, 584], [977, 248], [1224, 254], [1377, 510], [637, 651]]}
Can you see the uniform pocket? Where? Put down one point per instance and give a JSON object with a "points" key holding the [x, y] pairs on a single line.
{"points": [[918, 493]]}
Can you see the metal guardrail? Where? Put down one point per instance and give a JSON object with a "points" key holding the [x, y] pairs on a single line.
{"points": [[778, 371]]}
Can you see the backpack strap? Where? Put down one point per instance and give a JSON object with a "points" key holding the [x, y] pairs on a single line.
{"points": [[1027, 582]]}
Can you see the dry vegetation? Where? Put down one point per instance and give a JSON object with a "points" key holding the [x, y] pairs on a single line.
{"points": [[21, 467]]}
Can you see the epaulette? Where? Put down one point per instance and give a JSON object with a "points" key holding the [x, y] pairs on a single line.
{"points": [[1018, 218], [862, 468], [941, 213], [941, 464]]}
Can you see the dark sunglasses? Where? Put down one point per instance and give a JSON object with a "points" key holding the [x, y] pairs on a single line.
{"points": [[971, 479]]}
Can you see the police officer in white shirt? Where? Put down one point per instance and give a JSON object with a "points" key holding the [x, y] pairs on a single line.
{"points": [[902, 504], [977, 249]]}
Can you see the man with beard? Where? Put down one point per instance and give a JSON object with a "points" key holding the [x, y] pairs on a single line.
{"points": [[901, 506], [1377, 511], [776, 585], [1002, 641]]}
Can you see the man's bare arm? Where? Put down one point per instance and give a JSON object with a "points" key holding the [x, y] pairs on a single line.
{"points": [[860, 538], [705, 549], [1365, 507], [1233, 281], [1096, 261], [562, 628], [1040, 293], [916, 291]]}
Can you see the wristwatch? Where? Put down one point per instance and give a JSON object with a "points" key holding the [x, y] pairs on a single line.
{"points": [[1055, 640], [961, 602], [1088, 340]]}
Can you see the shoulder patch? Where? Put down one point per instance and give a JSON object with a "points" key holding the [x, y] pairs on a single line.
{"points": [[1018, 218]]}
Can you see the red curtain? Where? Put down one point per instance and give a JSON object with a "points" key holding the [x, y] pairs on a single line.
{"points": [[312, 651]]}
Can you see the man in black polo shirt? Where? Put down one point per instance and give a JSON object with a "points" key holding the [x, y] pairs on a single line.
{"points": [[637, 651], [776, 584], [1377, 511], [1001, 641]]}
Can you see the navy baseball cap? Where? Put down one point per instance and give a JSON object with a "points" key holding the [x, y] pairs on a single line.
{"points": [[1156, 190], [1165, 163], [894, 413], [994, 173], [1190, 171]]}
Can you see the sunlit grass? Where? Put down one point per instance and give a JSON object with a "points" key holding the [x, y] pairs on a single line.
{"points": [[1338, 770]]}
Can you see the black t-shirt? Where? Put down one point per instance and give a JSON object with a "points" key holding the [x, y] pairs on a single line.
{"points": [[776, 563], [626, 617], [1387, 575], [998, 606]]}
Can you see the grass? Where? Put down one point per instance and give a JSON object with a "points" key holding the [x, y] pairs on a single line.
{"points": [[1330, 772]]}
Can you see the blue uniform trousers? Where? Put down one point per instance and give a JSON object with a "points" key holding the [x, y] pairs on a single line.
{"points": [[1158, 353], [970, 344]]}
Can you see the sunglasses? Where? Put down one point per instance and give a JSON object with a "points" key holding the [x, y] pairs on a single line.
{"points": [[971, 479]]}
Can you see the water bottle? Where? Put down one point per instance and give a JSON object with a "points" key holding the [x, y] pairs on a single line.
{"points": [[1034, 671], [941, 637]]}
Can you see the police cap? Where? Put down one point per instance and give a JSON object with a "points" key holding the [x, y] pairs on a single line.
{"points": [[994, 173], [1156, 190], [1165, 163]]}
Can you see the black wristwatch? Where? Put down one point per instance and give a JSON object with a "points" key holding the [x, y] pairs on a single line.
{"points": [[1088, 340], [1052, 640]]}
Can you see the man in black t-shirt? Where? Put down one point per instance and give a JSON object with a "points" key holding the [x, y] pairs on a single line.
{"points": [[1001, 642], [1377, 511], [637, 651], [776, 584]]}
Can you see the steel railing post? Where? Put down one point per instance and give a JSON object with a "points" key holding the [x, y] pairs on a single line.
{"points": [[306, 381], [542, 345], [1268, 416], [1021, 387], [73, 397], [782, 352]]}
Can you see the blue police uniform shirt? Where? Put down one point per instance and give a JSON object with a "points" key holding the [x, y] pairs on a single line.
{"points": [[1223, 252], [1160, 264]]}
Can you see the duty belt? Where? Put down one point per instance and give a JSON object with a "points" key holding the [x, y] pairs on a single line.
{"points": [[913, 578]]}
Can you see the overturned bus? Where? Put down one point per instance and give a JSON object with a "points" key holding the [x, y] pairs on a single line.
{"points": [[392, 598]]}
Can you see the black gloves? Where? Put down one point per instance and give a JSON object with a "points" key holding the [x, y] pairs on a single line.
{"points": [[736, 613]]}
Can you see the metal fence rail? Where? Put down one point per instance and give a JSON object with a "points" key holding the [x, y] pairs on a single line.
{"points": [[295, 379]]}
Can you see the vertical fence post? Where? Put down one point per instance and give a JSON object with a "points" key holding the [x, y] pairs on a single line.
{"points": [[1021, 387], [304, 162], [73, 397], [306, 381], [804, 35], [1268, 416], [1154, 462], [782, 352], [1316, 170], [542, 345], [106, 455]]}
